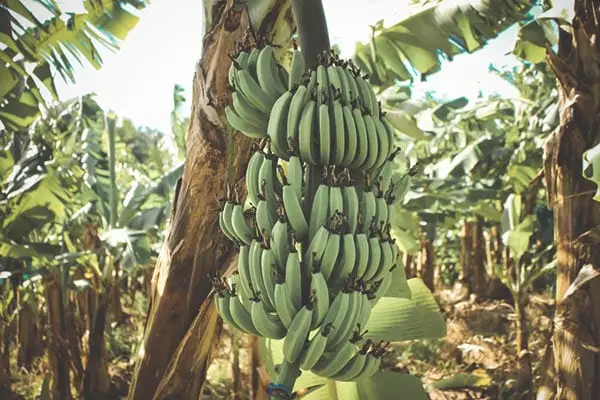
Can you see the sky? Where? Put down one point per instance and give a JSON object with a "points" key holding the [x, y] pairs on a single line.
{"points": [[162, 50]]}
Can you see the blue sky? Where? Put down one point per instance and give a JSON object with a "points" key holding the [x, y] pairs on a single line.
{"points": [[137, 82]]}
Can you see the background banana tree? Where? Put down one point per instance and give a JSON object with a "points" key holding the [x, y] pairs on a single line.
{"points": [[43, 38]]}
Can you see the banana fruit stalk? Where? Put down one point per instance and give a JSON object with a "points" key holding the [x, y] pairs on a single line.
{"points": [[315, 251]]}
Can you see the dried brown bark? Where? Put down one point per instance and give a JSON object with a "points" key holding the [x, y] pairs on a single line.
{"points": [[182, 324], [577, 318], [479, 278], [466, 246], [29, 340], [96, 382], [427, 263], [58, 349]]}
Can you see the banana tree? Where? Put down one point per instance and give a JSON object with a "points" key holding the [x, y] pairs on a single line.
{"points": [[41, 39]]}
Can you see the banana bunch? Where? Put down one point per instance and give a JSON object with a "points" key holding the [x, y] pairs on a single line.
{"points": [[315, 250]]}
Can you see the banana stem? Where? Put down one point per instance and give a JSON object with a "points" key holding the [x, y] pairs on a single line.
{"points": [[288, 373], [312, 29]]}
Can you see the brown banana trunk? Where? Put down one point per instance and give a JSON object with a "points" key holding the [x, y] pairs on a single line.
{"points": [[427, 262], [524, 359], [479, 281], [28, 336], [466, 247], [577, 318], [182, 324], [96, 382], [58, 351]]}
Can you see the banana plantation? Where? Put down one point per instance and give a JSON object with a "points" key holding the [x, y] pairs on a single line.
{"points": [[317, 221]]}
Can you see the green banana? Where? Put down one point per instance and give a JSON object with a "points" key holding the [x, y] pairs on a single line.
{"points": [[322, 85], [246, 127], [381, 211], [319, 211], [268, 325], [331, 363], [280, 242], [330, 255], [338, 133], [255, 264], [293, 278], [241, 316], [284, 306], [253, 92], [374, 259], [297, 105], [336, 314], [368, 96], [297, 69], [244, 269], [306, 134], [352, 87], [318, 286], [324, 134], [351, 140], [315, 348], [354, 367], [345, 330], [345, 262], [248, 112], [383, 287], [252, 61], [267, 73], [224, 228], [297, 334], [368, 208], [373, 140], [351, 207], [295, 175], [362, 142], [316, 248], [294, 212], [346, 97], [384, 143], [336, 201], [266, 178], [268, 272], [227, 216], [241, 229], [371, 366], [222, 302], [362, 255], [264, 218], [333, 78], [365, 311], [276, 128], [252, 183]]}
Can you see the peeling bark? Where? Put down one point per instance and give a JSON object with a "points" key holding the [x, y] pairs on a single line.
{"points": [[182, 325], [577, 318], [427, 263]]}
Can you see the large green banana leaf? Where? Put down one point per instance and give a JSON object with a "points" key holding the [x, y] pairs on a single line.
{"points": [[407, 312], [415, 46], [40, 33]]}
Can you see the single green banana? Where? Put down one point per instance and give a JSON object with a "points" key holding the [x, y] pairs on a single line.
{"points": [[345, 331], [319, 211], [336, 201], [223, 226], [368, 96], [297, 69], [268, 272], [280, 242], [307, 132], [284, 306], [362, 255], [381, 211], [346, 97], [252, 61], [297, 105], [241, 316], [385, 145], [227, 217], [338, 134], [253, 92], [295, 175], [268, 325], [373, 140], [316, 248], [248, 112], [297, 334], [330, 255], [294, 212], [351, 140], [322, 85], [385, 175], [362, 143], [252, 183], [336, 314], [353, 88], [276, 129], [372, 365], [266, 175], [244, 126], [333, 78], [374, 259], [345, 262], [324, 136], [293, 278], [383, 288], [244, 269], [365, 311], [368, 209], [241, 229], [264, 218], [255, 263], [351, 207], [267, 73], [318, 286], [331, 363], [315, 348], [352, 369]]}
